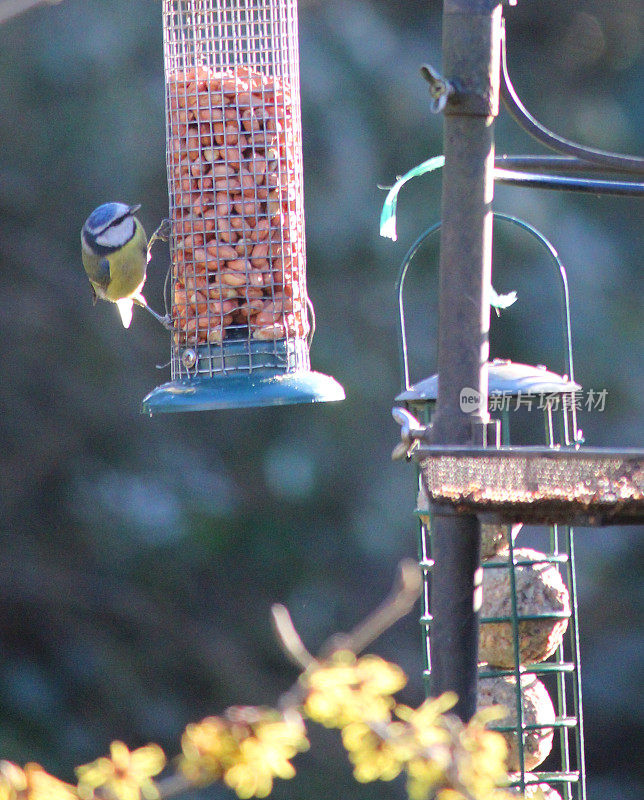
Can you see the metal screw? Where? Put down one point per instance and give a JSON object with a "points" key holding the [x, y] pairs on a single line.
{"points": [[440, 88], [189, 358], [410, 432]]}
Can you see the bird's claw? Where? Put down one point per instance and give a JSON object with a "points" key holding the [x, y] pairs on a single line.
{"points": [[161, 234], [164, 230], [165, 320]]}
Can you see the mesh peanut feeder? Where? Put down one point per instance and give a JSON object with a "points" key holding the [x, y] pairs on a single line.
{"points": [[241, 317]]}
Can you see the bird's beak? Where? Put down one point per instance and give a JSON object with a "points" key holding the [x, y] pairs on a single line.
{"points": [[134, 209]]}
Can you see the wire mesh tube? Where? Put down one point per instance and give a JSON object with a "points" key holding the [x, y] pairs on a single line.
{"points": [[234, 158]]}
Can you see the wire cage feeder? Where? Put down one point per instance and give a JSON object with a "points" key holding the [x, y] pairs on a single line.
{"points": [[529, 637], [529, 641], [241, 317]]}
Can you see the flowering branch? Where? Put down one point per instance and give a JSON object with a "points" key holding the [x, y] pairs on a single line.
{"points": [[247, 747]]}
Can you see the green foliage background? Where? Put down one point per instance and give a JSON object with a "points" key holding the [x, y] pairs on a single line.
{"points": [[140, 557]]}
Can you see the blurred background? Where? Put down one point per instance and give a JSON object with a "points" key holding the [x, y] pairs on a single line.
{"points": [[140, 556]]}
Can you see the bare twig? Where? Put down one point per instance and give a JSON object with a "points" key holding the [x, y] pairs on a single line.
{"points": [[404, 593], [289, 638], [173, 785]]}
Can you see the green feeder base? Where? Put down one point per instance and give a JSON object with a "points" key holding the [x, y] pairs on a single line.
{"points": [[261, 387]]}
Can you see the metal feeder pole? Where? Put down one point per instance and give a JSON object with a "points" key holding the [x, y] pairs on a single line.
{"points": [[471, 60]]}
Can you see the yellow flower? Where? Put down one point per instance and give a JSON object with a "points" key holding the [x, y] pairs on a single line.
{"points": [[206, 746], [428, 713], [250, 775], [379, 676], [248, 749], [374, 757], [125, 775], [266, 743], [424, 776], [32, 783], [346, 689], [428, 727], [281, 740], [42, 786], [481, 759]]}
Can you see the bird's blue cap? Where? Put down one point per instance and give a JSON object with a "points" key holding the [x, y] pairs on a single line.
{"points": [[103, 216]]}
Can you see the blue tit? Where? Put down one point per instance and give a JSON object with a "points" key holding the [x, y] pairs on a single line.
{"points": [[115, 253]]}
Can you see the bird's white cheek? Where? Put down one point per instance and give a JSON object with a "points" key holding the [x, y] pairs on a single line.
{"points": [[117, 235]]}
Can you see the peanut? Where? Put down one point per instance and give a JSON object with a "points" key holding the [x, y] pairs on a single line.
{"points": [[270, 332], [260, 231], [250, 121], [279, 305], [260, 251], [232, 278], [238, 228], [267, 317], [199, 302], [193, 283], [251, 307], [219, 291], [222, 252], [216, 334]]}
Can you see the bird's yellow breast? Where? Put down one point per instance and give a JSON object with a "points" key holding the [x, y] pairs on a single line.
{"points": [[127, 272]]}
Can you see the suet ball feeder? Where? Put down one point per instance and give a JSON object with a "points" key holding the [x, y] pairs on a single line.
{"points": [[539, 680]]}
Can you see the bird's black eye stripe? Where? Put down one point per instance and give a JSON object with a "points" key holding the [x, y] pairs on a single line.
{"points": [[117, 220], [95, 247]]}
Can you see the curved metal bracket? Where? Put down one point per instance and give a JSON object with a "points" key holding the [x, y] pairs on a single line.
{"points": [[404, 360], [525, 120]]}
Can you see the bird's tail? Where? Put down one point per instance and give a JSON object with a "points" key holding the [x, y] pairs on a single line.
{"points": [[125, 310]]}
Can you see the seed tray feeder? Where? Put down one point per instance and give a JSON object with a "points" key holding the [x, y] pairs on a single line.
{"points": [[537, 485], [242, 321]]}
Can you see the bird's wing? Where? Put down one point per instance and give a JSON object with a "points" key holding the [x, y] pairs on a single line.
{"points": [[102, 276]]}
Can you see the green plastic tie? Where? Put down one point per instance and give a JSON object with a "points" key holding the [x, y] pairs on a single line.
{"points": [[388, 214], [388, 222]]}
